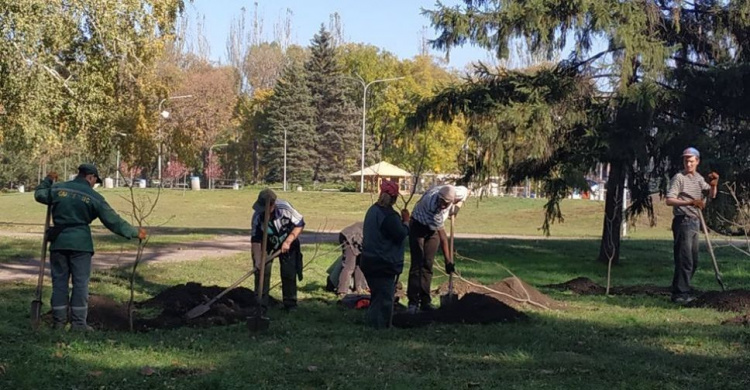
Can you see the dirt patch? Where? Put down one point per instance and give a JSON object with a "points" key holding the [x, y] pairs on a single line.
{"points": [[472, 308], [580, 285], [732, 300], [167, 309], [585, 286], [739, 320], [505, 291]]}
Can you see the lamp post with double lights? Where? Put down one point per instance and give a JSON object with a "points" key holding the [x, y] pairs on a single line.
{"points": [[165, 114], [366, 85]]}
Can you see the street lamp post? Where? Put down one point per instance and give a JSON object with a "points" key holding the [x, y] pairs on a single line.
{"points": [[165, 115], [364, 121], [210, 179]]}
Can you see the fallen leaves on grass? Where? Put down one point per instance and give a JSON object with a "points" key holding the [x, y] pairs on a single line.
{"points": [[95, 374], [147, 371], [312, 368]]}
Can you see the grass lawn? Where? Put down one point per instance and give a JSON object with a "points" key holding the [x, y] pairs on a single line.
{"points": [[599, 342], [227, 211]]}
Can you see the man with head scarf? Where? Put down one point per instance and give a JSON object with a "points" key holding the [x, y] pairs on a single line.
{"points": [[383, 253], [284, 227], [426, 233]]}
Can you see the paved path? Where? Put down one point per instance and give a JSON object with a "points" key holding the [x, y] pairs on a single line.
{"points": [[218, 247]]}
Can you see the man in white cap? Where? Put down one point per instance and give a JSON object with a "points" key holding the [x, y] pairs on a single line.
{"points": [[426, 233], [687, 193]]}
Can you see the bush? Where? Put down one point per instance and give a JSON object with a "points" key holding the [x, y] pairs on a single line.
{"points": [[350, 187]]}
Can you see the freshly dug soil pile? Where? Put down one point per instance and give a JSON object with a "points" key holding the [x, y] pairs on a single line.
{"points": [[740, 320], [472, 308], [511, 286], [585, 286], [580, 285], [170, 307], [732, 300]]}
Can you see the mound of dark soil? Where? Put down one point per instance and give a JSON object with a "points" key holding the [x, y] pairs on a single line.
{"points": [[732, 300], [472, 308], [739, 320], [167, 310], [580, 285], [585, 286], [505, 291]]}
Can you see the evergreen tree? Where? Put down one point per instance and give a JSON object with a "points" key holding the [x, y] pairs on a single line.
{"points": [[290, 108], [336, 116], [633, 125]]}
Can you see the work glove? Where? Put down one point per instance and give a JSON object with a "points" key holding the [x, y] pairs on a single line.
{"points": [[450, 267], [405, 216], [713, 179], [52, 176], [141, 234], [699, 203]]}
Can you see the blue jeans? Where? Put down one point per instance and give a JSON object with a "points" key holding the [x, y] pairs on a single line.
{"points": [[685, 231], [64, 266]]}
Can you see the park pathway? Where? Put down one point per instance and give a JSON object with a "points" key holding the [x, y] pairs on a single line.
{"points": [[220, 246]]}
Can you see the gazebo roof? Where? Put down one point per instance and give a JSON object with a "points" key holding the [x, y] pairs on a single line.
{"points": [[383, 169]]}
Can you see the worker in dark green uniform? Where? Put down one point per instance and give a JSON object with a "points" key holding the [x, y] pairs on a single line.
{"points": [[74, 205]]}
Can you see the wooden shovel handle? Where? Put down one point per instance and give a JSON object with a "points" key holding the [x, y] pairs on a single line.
{"points": [[263, 247]]}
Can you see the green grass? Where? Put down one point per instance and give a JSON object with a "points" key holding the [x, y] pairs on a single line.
{"points": [[598, 342], [227, 211]]}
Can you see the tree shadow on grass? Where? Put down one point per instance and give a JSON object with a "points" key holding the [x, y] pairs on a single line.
{"points": [[320, 346]]}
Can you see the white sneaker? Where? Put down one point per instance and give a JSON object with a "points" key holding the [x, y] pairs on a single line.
{"points": [[412, 309]]}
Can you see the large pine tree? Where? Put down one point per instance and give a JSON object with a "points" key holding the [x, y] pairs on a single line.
{"points": [[336, 116], [631, 126], [290, 108]]}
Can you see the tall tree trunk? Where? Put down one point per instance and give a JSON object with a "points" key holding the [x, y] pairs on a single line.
{"points": [[613, 207]]}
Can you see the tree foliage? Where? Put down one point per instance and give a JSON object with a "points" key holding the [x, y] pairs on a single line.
{"points": [[634, 122]]}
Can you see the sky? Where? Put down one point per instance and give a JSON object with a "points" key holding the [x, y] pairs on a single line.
{"points": [[396, 26]]}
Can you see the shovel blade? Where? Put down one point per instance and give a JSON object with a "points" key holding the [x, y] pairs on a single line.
{"points": [[258, 323], [448, 299], [36, 314], [197, 311]]}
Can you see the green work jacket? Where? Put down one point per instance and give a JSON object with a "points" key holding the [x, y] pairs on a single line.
{"points": [[74, 205]]}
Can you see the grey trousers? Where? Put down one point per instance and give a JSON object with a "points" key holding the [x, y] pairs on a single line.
{"points": [[67, 265]]}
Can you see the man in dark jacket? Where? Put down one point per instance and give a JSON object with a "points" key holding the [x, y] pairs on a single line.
{"points": [[383, 254], [75, 205]]}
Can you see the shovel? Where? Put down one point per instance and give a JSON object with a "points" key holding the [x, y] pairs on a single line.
{"points": [[451, 297], [203, 308], [259, 322], [711, 251], [36, 304]]}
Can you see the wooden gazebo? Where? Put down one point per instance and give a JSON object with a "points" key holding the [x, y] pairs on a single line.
{"points": [[374, 174]]}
